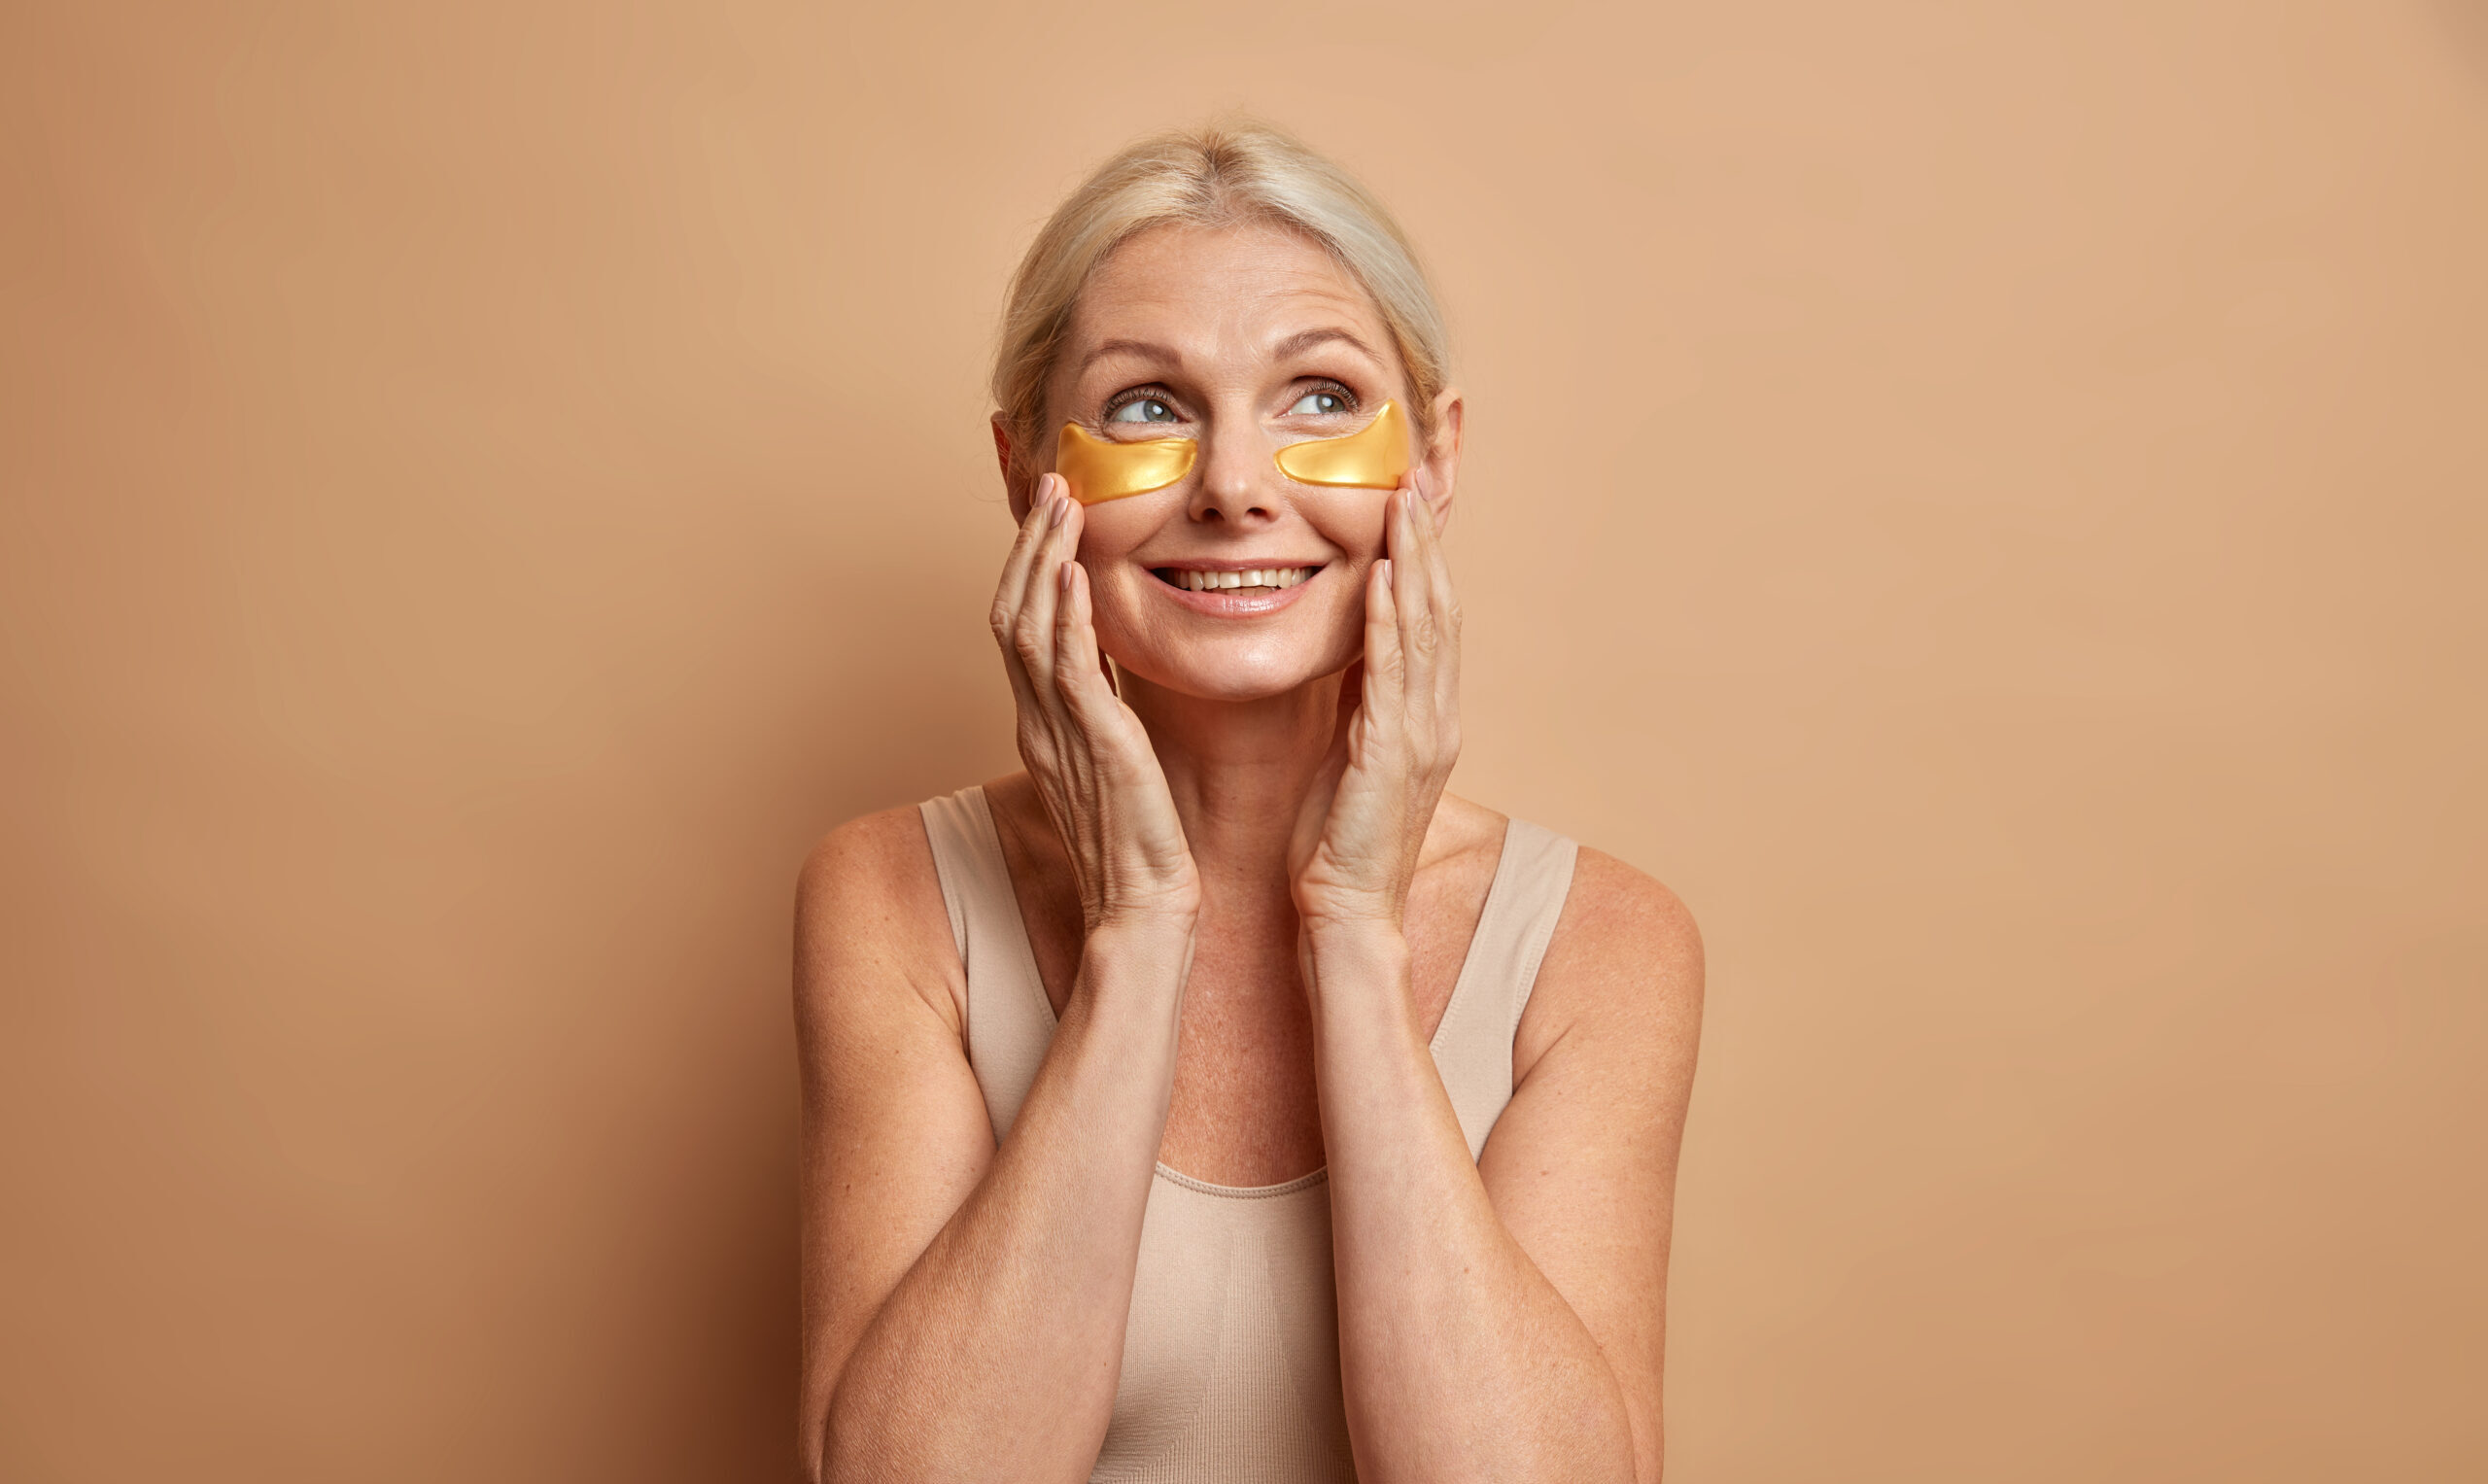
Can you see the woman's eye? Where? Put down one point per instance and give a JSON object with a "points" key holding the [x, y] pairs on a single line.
{"points": [[1316, 404], [1148, 409]]}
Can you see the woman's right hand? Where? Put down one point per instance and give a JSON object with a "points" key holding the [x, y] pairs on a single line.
{"points": [[1087, 752]]}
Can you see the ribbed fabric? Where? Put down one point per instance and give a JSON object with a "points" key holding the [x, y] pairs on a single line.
{"points": [[1232, 1354]]}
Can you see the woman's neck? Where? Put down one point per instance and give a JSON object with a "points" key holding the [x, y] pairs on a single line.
{"points": [[1238, 770]]}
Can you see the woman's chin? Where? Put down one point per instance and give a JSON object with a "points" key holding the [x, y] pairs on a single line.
{"points": [[1231, 677]]}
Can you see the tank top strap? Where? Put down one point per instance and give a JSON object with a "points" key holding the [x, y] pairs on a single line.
{"points": [[1473, 1046], [1010, 1020]]}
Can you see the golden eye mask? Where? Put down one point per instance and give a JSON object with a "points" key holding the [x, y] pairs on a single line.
{"points": [[1098, 470], [1373, 457]]}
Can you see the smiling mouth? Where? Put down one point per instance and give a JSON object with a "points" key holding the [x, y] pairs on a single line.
{"points": [[1258, 579]]}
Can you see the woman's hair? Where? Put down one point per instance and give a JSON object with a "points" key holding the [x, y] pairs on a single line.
{"points": [[1219, 175]]}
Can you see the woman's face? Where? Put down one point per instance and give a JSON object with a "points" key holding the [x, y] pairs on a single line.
{"points": [[1246, 339]]}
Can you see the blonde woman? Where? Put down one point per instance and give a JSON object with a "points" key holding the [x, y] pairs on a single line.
{"points": [[1220, 1099]]}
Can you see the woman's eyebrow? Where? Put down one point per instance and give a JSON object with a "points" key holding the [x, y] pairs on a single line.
{"points": [[1304, 340], [1293, 345], [1145, 350]]}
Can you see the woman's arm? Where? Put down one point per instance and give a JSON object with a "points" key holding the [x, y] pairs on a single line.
{"points": [[966, 1303], [1498, 1320], [1505, 1319]]}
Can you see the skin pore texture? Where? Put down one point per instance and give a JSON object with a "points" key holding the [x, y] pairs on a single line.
{"points": [[1247, 897]]}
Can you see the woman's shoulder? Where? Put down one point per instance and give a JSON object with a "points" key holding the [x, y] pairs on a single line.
{"points": [[1609, 898], [869, 914], [887, 856], [1620, 906], [875, 854], [1625, 959]]}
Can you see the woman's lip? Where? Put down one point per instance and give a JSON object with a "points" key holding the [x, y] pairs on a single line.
{"points": [[1233, 601]]}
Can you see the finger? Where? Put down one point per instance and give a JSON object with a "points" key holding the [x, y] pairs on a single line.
{"points": [[1411, 595], [1425, 625], [1384, 691], [1064, 692], [1443, 603], [1009, 591], [1409, 554], [1040, 595], [1079, 672], [1071, 675], [1011, 594]]}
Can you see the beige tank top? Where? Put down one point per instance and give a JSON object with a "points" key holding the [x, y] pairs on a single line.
{"points": [[1231, 1354]]}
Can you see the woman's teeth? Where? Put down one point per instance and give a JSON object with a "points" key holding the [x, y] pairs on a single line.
{"points": [[1264, 577]]}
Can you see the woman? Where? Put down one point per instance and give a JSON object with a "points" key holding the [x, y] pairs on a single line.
{"points": [[1148, 1091]]}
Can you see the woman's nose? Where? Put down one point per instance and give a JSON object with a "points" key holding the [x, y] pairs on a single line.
{"points": [[1239, 483]]}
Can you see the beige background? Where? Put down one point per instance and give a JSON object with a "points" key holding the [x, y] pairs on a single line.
{"points": [[1985, 499]]}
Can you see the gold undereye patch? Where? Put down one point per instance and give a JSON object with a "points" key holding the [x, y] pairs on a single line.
{"points": [[1098, 470], [1374, 457]]}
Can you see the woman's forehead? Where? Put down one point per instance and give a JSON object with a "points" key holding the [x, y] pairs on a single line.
{"points": [[1219, 293]]}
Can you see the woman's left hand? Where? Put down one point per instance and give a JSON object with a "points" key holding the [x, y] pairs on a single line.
{"points": [[1363, 823]]}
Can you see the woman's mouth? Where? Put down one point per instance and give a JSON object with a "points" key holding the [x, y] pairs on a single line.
{"points": [[1250, 581]]}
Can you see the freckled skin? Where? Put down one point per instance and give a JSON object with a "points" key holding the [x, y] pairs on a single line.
{"points": [[1249, 914]]}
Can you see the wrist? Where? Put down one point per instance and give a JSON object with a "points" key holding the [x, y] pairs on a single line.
{"points": [[1142, 930], [1329, 911], [1354, 952], [1157, 907], [1135, 961], [1371, 939]]}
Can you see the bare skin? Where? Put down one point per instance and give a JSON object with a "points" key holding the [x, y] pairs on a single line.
{"points": [[1249, 897]]}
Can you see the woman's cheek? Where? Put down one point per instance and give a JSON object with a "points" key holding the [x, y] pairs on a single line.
{"points": [[1120, 613], [1353, 521]]}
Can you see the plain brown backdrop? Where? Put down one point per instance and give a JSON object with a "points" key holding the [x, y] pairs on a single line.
{"points": [[1986, 499]]}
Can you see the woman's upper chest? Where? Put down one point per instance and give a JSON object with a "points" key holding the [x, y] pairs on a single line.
{"points": [[1245, 978]]}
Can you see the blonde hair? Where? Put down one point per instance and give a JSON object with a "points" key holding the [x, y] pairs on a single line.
{"points": [[1219, 175]]}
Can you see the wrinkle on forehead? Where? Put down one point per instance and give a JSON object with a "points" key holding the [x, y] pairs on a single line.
{"points": [[1218, 298]]}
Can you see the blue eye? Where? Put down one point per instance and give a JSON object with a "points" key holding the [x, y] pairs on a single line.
{"points": [[1148, 409], [1318, 403]]}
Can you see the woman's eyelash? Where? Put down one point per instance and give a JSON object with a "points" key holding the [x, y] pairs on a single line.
{"points": [[1131, 395], [1321, 384]]}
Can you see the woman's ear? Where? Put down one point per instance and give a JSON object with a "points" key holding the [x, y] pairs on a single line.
{"points": [[1010, 487], [1442, 462]]}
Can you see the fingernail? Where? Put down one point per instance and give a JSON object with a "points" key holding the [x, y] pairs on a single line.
{"points": [[1066, 574]]}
